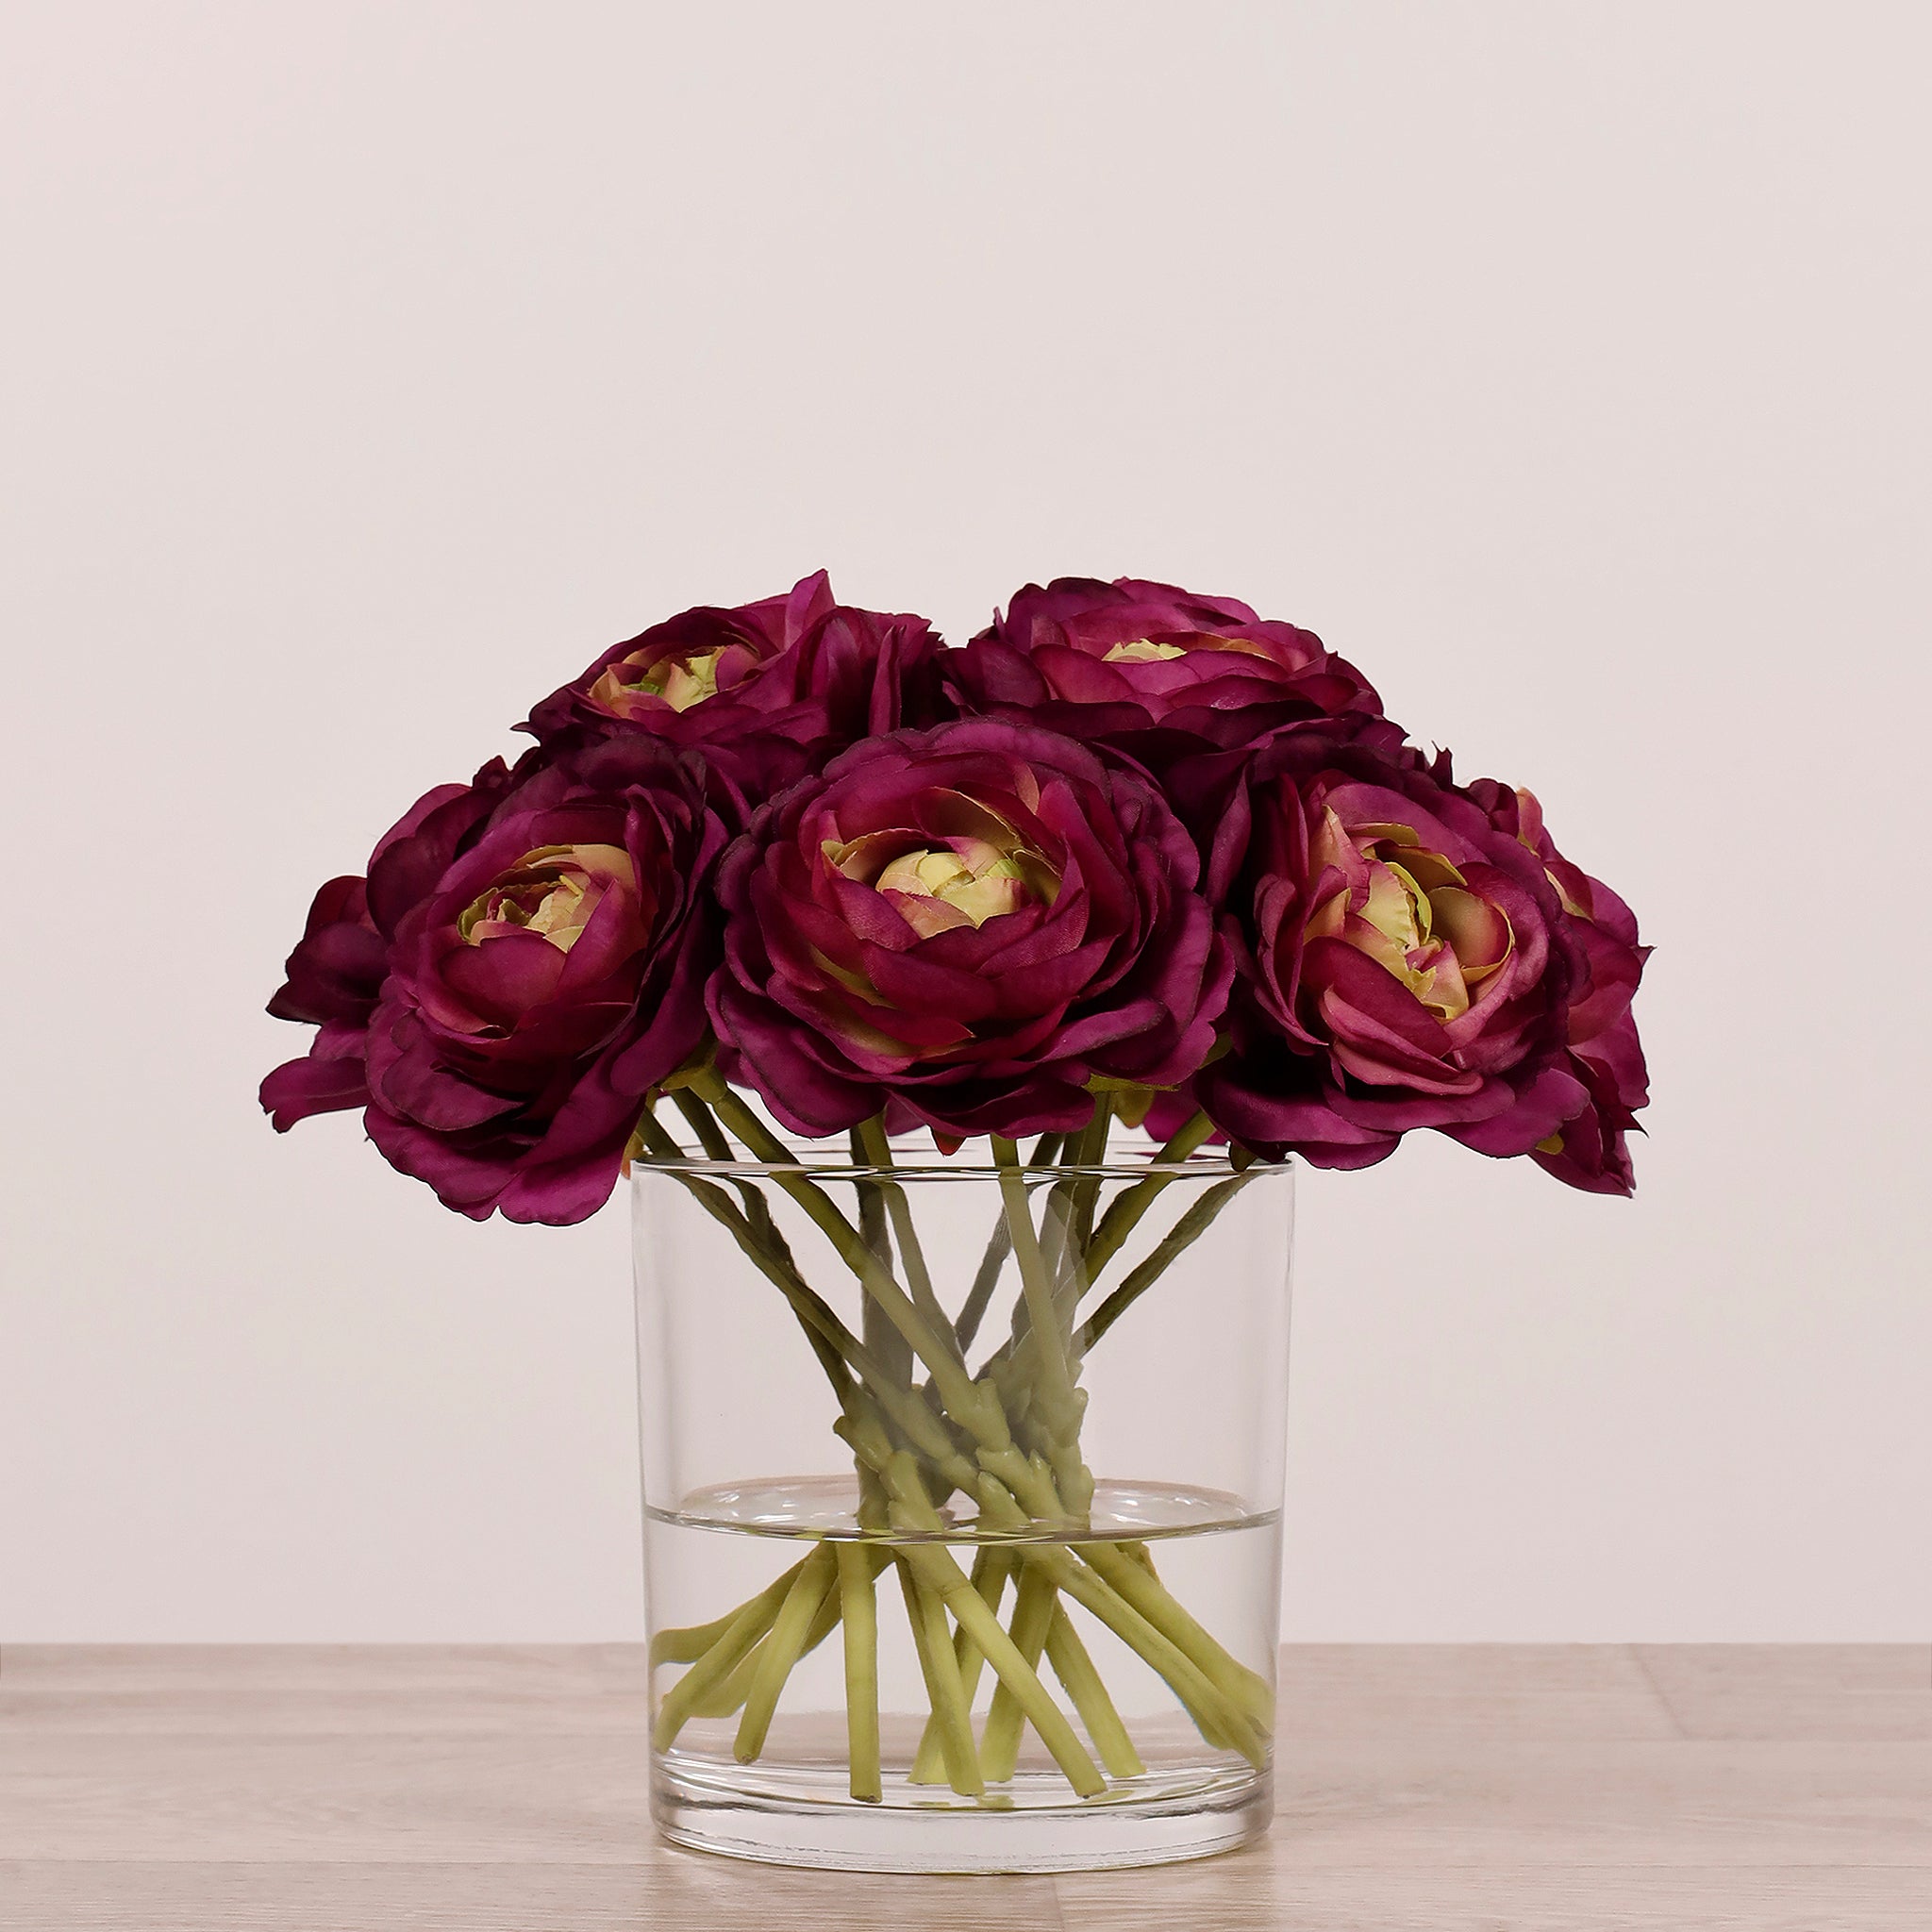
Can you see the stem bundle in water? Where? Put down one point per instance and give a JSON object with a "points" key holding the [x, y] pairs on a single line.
{"points": [[1006, 1438]]}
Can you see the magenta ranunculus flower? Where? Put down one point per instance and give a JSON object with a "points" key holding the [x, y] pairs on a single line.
{"points": [[769, 691], [335, 975], [1156, 670], [1589, 1150], [1406, 963], [968, 924], [551, 974]]}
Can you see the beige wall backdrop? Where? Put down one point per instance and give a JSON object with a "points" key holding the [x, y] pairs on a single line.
{"points": [[368, 368]]}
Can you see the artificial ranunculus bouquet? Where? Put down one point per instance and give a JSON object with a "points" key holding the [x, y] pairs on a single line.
{"points": [[1134, 863]]}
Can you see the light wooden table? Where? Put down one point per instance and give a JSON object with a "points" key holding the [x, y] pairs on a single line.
{"points": [[502, 1790]]}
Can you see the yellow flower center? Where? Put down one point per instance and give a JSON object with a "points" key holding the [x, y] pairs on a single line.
{"points": [[551, 892], [1143, 652], [1146, 651], [1413, 914], [977, 866], [683, 682], [997, 885]]}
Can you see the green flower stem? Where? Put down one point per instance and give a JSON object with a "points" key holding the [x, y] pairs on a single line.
{"points": [[913, 1513], [863, 1429], [1058, 1404], [681, 1700], [1082, 1196], [1033, 1614], [1013, 1481], [991, 1566], [757, 1209], [1124, 1212], [730, 1694], [727, 1699], [839, 1350], [972, 1310], [1069, 1217], [1036, 1284], [711, 1136], [832, 1341], [973, 1406], [872, 1136], [1059, 1218], [686, 1645], [858, 1610], [992, 1569], [1082, 1680], [998, 1247], [890, 1349], [872, 1231], [837, 1346], [943, 1691], [885, 1342], [780, 1650], [947, 1580], [871, 1202], [1012, 1367], [1092, 1155], [1221, 1719], [1182, 1236], [1148, 1596], [717, 1148], [944, 1580]]}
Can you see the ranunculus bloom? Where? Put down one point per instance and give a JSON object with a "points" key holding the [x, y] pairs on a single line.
{"points": [[335, 973], [1406, 964], [1589, 1150], [1153, 669], [552, 976], [969, 925], [768, 690]]}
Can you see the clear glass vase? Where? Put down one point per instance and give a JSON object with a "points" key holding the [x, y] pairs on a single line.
{"points": [[962, 1485]]}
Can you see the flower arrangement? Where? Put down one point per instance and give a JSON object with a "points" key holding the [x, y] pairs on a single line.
{"points": [[1130, 856]]}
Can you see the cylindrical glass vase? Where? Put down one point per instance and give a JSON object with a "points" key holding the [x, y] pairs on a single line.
{"points": [[962, 1490]]}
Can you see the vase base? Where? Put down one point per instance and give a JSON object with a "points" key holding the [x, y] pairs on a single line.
{"points": [[1155, 1819]]}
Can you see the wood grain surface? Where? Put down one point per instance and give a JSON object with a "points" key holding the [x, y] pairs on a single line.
{"points": [[1560, 1789]]}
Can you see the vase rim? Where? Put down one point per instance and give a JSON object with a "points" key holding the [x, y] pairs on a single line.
{"points": [[824, 1160]]}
